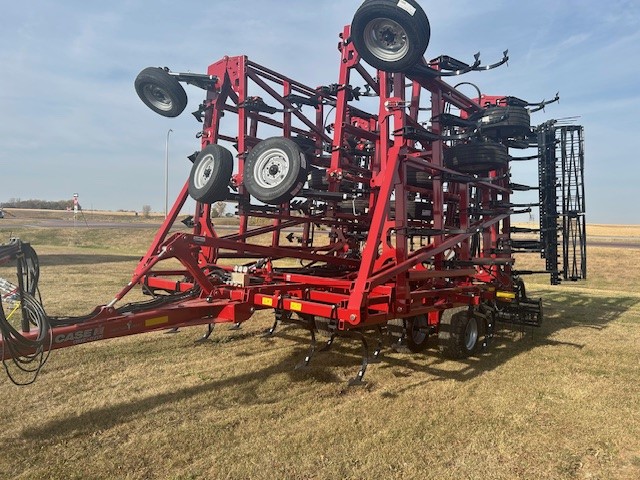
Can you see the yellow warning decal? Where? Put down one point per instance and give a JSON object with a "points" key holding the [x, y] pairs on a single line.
{"points": [[267, 301], [295, 306], [508, 295], [156, 321]]}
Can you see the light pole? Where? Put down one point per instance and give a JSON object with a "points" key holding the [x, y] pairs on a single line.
{"points": [[166, 175]]}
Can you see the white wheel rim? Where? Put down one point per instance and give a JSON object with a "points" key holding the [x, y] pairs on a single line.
{"points": [[271, 168], [157, 96], [203, 171], [386, 39], [471, 334]]}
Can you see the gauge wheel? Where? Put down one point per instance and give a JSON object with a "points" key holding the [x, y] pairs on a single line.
{"points": [[417, 333], [275, 170], [459, 333], [390, 35], [161, 92], [210, 174]]}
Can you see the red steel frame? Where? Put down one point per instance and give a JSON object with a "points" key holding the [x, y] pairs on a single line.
{"points": [[373, 273]]}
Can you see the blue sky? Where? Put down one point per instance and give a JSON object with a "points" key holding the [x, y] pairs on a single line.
{"points": [[71, 121]]}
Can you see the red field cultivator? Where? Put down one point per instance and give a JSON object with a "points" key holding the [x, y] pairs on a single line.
{"points": [[382, 207]]}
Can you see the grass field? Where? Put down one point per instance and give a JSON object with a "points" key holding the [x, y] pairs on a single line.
{"points": [[560, 402]]}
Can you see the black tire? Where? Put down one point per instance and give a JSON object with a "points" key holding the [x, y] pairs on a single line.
{"points": [[459, 333], [476, 157], [420, 210], [358, 206], [161, 92], [505, 122], [418, 178], [275, 170], [415, 210], [318, 179], [306, 144], [390, 35], [210, 174], [417, 333]]}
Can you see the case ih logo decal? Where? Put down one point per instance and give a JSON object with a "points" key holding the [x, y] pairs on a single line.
{"points": [[80, 336]]}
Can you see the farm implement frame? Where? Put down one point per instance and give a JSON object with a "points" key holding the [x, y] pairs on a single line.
{"points": [[382, 207]]}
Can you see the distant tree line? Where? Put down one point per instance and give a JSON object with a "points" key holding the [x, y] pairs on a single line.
{"points": [[38, 204], [217, 209]]}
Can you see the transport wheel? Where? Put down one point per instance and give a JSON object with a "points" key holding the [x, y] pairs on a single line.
{"points": [[390, 35], [417, 333], [476, 157], [210, 174], [275, 170], [161, 92], [516, 122], [459, 333]]}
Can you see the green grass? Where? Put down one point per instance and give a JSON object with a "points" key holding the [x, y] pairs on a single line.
{"points": [[559, 402]]}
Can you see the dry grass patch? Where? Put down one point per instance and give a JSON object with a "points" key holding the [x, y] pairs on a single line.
{"points": [[557, 403], [626, 231]]}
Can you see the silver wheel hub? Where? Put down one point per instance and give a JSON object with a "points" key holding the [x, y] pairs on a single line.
{"points": [[386, 39], [203, 171], [157, 96], [271, 168]]}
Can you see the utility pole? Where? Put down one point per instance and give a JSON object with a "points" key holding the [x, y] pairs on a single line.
{"points": [[166, 175]]}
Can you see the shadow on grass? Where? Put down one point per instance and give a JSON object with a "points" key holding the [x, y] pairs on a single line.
{"points": [[54, 260], [562, 309], [245, 386]]}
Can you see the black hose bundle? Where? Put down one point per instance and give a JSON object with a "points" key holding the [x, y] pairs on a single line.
{"points": [[27, 354], [30, 267], [156, 302]]}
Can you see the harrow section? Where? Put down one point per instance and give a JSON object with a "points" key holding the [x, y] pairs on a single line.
{"points": [[562, 209], [380, 202]]}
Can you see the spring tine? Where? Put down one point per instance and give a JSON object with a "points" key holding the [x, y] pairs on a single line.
{"points": [[327, 346], [236, 326], [171, 331], [357, 380], [375, 358], [269, 332], [207, 334], [312, 349], [400, 345]]}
